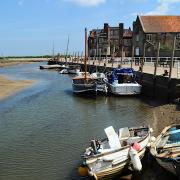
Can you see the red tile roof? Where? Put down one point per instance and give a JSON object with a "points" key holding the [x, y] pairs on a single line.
{"points": [[127, 33], [154, 24]]}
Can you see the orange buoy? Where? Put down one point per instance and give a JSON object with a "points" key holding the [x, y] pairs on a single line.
{"points": [[83, 170]]}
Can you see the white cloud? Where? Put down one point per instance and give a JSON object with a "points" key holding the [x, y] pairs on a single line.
{"points": [[87, 2], [163, 8], [168, 1], [20, 2]]}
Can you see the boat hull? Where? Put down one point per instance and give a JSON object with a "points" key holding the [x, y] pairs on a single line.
{"points": [[116, 170], [168, 165], [124, 89], [118, 164], [84, 88], [73, 71], [170, 160], [54, 66]]}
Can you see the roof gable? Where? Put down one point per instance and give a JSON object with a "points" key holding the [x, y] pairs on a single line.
{"points": [[158, 24]]}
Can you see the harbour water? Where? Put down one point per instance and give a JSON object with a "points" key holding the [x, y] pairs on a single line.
{"points": [[45, 129]]}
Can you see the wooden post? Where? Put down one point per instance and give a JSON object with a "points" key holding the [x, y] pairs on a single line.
{"points": [[157, 58], [81, 57], [113, 56], [132, 58], [85, 63], [97, 46], [142, 61], [78, 58], [122, 53], [172, 57], [75, 57]]}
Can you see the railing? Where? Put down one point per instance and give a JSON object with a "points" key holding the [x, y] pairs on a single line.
{"points": [[162, 61]]}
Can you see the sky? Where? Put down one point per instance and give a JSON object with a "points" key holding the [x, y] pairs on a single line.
{"points": [[31, 27]]}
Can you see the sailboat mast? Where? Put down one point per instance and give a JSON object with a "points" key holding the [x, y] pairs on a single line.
{"points": [[53, 51], [85, 59], [67, 48]]}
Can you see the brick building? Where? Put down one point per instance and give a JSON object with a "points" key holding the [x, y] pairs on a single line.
{"points": [[110, 41], [149, 30]]}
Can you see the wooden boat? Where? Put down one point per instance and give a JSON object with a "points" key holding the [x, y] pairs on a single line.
{"points": [[110, 156], [121, 81], [84, 84], [166, 149]]}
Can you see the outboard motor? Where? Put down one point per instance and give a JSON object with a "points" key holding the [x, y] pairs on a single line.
{"points": [[95, 144]]}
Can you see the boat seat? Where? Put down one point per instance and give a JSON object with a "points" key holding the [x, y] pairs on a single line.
{"points": [[114, 142], [124, 133]]}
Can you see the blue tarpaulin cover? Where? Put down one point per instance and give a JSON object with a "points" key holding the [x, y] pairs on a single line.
{"points": [[124, 71], [120, 71]]}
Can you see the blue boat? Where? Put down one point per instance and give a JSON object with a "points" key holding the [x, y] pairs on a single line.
{"points": [[122, 81], [166, 149]]}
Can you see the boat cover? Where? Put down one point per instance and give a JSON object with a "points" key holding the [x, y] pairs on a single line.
{"points": [[123, 71]]}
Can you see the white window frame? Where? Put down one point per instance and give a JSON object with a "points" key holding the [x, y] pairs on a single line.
{"points": [[149, 37], [137, 51]]}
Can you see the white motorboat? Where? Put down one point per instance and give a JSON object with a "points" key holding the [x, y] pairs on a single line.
{"points": [[74, 69], [122, 81]]}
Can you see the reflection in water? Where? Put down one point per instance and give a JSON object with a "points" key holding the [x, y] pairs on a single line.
{"points": [[45, 129]]}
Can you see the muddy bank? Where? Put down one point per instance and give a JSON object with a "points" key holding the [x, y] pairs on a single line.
{"points": [[10, 87]]}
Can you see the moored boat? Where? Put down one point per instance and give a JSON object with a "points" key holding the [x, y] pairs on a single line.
{"points": [[166, 149], [53, 66], [85, 84], [74, 69], [101, 85], [122, 81], [110, 156]]}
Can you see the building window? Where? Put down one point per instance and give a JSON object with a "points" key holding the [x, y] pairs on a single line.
{"points": [[115, 33], [137, 37], [148, 49], [101, 40], [111, 32], [149, 37], [137, 51], [178, 35], [115, 41]]}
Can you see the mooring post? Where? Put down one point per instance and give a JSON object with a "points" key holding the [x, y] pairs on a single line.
{"points": [[172, 56], [155, 68], [132, 58]]}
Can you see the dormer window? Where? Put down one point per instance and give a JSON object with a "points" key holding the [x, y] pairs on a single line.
{"points": [[149, 37]]}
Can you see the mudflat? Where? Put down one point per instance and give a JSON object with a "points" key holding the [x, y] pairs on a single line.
{"points": [[9, 87]]}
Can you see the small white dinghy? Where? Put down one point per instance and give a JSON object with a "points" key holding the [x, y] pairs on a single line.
{"points": [[111, 155]]}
